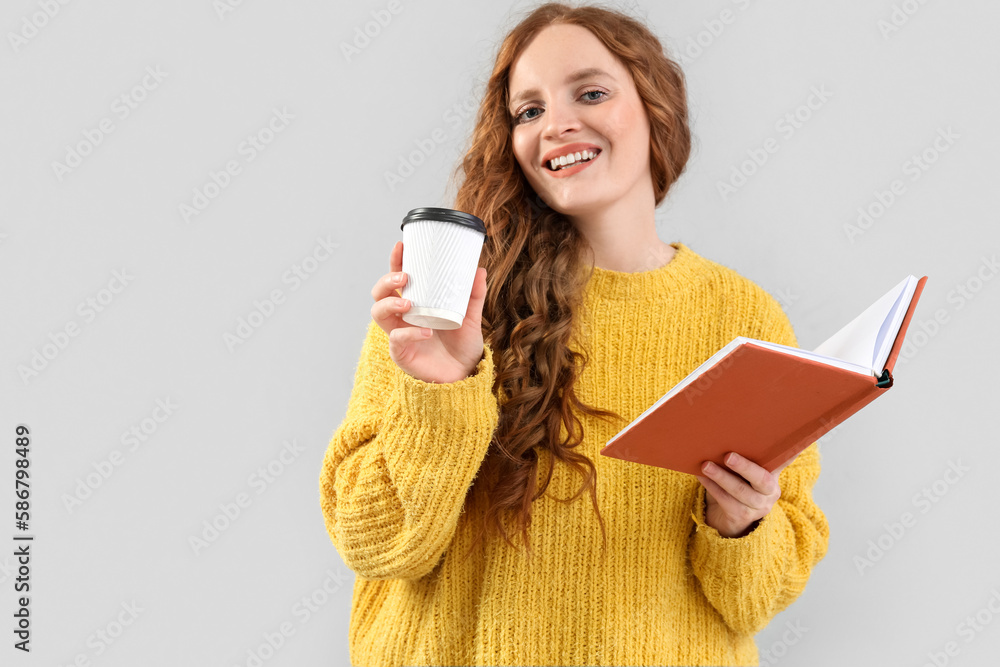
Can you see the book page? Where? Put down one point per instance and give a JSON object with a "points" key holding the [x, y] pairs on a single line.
{"points": [[887, 334], [869, 336], [836, 362]]}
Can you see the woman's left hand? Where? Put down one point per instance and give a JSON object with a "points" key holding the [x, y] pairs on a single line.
{"points": [[737, 499]]}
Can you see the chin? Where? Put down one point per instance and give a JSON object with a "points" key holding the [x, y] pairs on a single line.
{"points": [[577, 207]]}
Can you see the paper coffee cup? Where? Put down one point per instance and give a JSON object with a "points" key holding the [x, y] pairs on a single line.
{"points": [[441, 249]]}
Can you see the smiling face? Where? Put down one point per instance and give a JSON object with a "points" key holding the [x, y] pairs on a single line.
{"points": [[569, 94]]}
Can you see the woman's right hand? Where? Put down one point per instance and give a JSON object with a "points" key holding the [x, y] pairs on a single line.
{"points": [[431, 355]]}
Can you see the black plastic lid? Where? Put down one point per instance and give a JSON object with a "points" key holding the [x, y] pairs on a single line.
{"points": [[445, 215]]}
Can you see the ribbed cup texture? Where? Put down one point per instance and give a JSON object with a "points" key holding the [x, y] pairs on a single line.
{"points": [[440, 259]]}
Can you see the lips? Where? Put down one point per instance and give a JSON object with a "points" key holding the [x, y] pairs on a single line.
{"points": [[574, 169], [566, 150]]}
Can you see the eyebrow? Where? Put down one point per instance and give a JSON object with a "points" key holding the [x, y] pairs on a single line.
{"points": [[573, 77]]}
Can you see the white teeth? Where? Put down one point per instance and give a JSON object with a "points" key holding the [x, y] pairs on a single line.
{"points": [[556, 163]]}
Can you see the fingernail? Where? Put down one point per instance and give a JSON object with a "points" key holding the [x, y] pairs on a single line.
{"points": [[733, 458], [709, 467], [398, 278]]}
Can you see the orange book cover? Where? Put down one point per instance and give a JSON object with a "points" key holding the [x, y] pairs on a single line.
{"points": [[768, 401]]}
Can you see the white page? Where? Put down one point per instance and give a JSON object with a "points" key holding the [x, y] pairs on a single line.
{"points": [[869, 335], [887, 335]]}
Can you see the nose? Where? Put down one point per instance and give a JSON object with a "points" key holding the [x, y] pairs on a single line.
{"points": [[560, 118]]}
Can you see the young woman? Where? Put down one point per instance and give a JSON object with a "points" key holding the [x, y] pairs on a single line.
{"points": [[456, 440]]}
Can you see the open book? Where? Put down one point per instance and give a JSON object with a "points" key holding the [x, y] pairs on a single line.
{"points": [[767, 401]]}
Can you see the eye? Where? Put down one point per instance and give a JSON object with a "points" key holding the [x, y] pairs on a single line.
{"points": [[520, 117]]}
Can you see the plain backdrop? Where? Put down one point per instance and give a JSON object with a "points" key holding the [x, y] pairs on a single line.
{"points": [[197, 197]]}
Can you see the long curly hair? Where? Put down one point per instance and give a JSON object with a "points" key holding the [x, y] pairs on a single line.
{"points": [[536, 274]]}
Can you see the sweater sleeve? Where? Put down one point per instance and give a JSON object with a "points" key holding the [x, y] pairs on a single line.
{"points": [[750, 579], [396, 471]]}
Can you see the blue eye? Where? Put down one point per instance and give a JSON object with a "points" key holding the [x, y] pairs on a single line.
{"points": [[526, 111], [519, 118]]}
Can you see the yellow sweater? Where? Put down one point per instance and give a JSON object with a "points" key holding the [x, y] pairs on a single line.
{"points": [[670, 591]]}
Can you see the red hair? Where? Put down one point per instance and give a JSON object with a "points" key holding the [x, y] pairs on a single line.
{"points": [[533, 257]]}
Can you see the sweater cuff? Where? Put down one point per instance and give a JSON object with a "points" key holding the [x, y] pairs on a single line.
{"points": [[449, 405], [742, 557]]}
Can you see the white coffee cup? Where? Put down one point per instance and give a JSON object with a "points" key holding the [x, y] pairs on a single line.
{"points": [[441, 249]]}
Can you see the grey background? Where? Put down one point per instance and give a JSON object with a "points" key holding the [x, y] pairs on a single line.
{"points": [[162, 337]]}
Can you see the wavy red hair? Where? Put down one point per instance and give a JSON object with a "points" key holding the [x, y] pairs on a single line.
{"points": [[536, 273]]}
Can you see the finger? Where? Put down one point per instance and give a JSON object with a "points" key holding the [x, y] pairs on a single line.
{"points": [[730, 506], [388, 285], [396, 257], [474, 311], [759, 478], [388, 312], [735, 486], [400, 337], [396, 266], [706, 482]]}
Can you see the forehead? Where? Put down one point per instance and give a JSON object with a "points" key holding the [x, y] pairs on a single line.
{"points": [[557, 51]]}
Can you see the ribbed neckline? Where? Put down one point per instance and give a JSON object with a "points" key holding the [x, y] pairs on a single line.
{"points": [[608, 284]]}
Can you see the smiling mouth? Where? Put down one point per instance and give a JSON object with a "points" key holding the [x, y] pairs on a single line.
{"points": [[571, 166]]}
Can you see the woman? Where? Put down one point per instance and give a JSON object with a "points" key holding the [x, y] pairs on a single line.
{"points": [[456, 440]]}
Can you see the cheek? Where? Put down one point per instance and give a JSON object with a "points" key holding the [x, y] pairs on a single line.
{"points": [[519, 144], [627, 126], [524, 156]]}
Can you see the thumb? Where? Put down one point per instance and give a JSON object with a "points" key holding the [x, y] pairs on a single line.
{"points": [[474, 313]]}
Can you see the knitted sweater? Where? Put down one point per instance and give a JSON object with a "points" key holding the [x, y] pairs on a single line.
{"points": [[669, 591]]}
